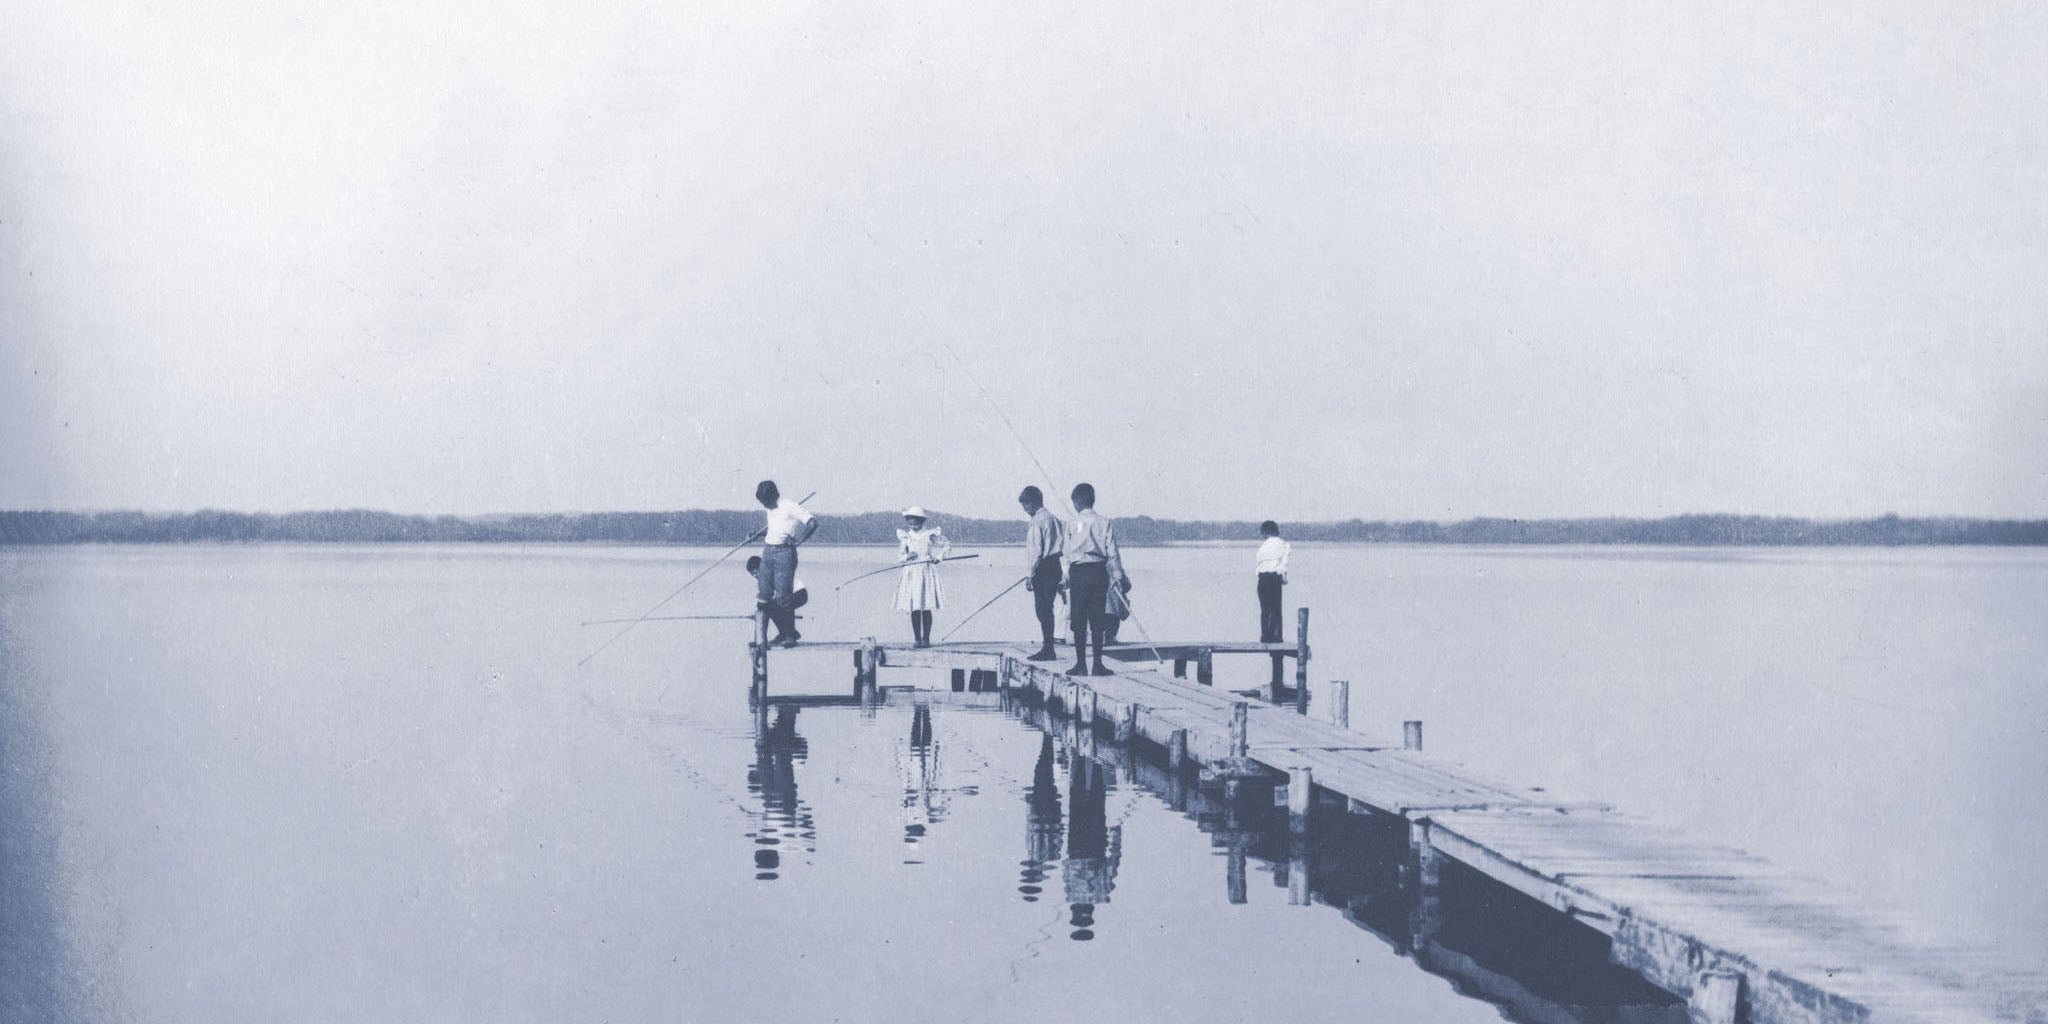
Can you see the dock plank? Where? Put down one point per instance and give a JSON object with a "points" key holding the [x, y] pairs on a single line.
{"points": [[1675, 905]]}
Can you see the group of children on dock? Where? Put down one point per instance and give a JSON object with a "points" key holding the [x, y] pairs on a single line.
{"points": [[1076, 557]]}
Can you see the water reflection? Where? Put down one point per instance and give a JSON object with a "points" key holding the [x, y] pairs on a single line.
{"points": [[1042, 824], [1492, 943], [925, 802], [785, 821], [1094, 847]]}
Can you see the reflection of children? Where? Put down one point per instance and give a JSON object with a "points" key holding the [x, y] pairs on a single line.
{"points": [[918, 592], [799, 595]]}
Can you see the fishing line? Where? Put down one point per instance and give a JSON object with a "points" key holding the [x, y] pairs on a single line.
{"points": [[720, 560], [1033, 456], [998, 407]]}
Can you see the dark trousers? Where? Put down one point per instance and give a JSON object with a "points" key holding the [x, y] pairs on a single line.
{"points": [[1045, 585], [1087, 585], [1269, 609], [773, 584]]}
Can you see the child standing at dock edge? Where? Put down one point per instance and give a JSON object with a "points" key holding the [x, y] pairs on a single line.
{"points": [[1043, 544], [1272, 571], [918, 591], [788, 525], [1093, 566]]}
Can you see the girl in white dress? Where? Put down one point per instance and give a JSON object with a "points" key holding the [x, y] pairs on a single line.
{"points": [[918, 592]]}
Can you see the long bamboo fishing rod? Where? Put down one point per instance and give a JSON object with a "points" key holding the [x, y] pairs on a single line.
{"points": [[899, 565], [720, 560], [984, 607], [1042, 471], [1001, 415]]}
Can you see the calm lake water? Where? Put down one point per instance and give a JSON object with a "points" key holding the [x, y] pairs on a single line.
{"points": [[368, 784]]}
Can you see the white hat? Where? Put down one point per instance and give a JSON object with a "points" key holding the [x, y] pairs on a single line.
{"points": [[916, 511]]}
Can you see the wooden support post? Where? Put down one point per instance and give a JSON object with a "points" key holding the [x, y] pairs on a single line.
{"points": [[860, 670], [1340, 703], [1411, 735], [1127, 723], [759, 655], [1087, 709], [1300, 783], [1279, 678], [1205, 667], [1716, 998], [1297, 874], [1177, 752], [1240, 740], [959, 680], [1429, 874], [1180, 668], [1301, 661], [1234, 879]]}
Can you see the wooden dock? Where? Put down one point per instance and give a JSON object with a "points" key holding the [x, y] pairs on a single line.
{"points": [[1737, 939]]}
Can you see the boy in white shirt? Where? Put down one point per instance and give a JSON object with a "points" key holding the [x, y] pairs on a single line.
{"points": [[788, 525], [1272, 571]]}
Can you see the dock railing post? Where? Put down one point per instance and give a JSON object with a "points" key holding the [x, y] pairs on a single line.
{"points": [[1340, 703], [1411, 735], [1205, 667], [1301, 661]]}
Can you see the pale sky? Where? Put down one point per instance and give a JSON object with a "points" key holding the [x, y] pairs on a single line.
{"points": [[1222, 259]]}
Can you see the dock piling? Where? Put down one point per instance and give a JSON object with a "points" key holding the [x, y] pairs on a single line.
{"points": [[1300, 781], [1716, 996], [1340, 703], [1205, 667], [1428, 914], [1240, 742], [1411, 735], [1300, 661], [1177, 752], [1126, 723]]}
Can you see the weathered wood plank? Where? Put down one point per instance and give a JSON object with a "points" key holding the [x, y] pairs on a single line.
{"points": [[1697, 918]]}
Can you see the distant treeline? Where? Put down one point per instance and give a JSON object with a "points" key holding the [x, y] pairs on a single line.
{"points": [[727, 527]]}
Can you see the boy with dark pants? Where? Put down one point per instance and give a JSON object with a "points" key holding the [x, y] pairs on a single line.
{"points": [[1093, 566], [1272, 569], [1044, 542], [789, 524]]}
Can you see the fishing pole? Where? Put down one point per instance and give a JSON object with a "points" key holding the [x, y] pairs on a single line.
{"points": [[720, 560], [984, 607], [1014, 432], [670, 618], [899, 565], [1043, 472]]}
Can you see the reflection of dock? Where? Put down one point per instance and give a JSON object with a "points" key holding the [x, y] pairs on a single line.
{"points": [[1731, 936]]}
